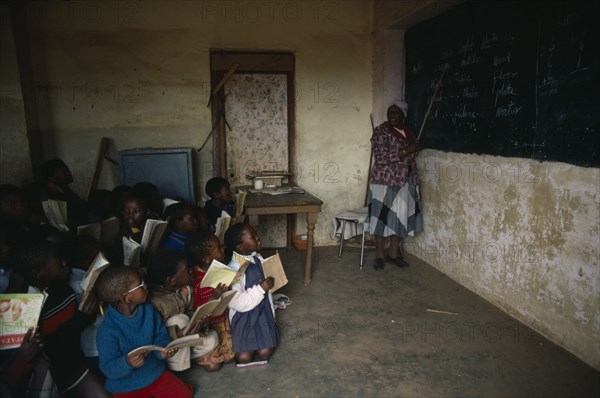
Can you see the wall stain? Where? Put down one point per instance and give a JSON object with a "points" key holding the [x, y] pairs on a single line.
{"points": [[510, 218], [551, 218]]}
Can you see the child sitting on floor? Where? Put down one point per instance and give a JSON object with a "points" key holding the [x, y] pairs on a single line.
{"points": [[80, 253], [100, 206], [5, 269], [117, 195], [221, 199], [133, 214], [130, 323], [61, 322], [202, 248], [57, 177], [16, 371], [182, 222], [151, 195], [201, 219], [251, 311], [14, 213], [171, 295]]}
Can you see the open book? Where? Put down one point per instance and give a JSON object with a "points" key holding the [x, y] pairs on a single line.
{"points": [[272, 266], [89, 279], [210, 308], [104, 232], [131, 252], [151, 238], [18, 313], [56, 213], [222, 226], [220, 273], [185, 341], [153, 233], [240, 201]]}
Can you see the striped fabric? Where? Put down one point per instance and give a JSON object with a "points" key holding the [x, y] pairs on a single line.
{"points": [[56, 313], [394, 210]]}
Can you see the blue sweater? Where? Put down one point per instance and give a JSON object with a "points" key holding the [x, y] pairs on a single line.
{"points": [[176, 240], [118, 335]]}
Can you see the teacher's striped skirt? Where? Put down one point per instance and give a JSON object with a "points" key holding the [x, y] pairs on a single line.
{"points": [[394, 210]]}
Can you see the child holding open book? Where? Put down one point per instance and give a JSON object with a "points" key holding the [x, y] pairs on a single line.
{"points": [[151, 196], [16, 371], [130, 323], [133, 214], [182, 222], [202, 248], [81, 252], [171, 295], [221, 199], [251, 312], [57, 177], [14, 213], [61, 323]]}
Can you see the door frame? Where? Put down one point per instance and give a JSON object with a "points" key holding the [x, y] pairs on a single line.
{"points": [[255, 62]]}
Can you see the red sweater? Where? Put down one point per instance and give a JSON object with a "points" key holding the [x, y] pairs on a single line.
{"points": [[203, 295]]}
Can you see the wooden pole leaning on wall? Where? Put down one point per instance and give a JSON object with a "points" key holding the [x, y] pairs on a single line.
{"points": [[102, 149], [439, 83], [222, 82], [370, 162]]}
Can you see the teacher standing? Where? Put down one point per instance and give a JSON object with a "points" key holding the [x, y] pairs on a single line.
{"points": [[393, 188]]}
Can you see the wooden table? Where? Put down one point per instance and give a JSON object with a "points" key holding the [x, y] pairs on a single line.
{"points": [[260, 204]]}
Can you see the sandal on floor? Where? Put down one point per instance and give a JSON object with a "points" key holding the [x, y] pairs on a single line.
{"points": [[281, 301], [379, 263]]}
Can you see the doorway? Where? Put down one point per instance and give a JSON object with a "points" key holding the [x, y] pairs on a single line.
{"points": [[254, 123]]}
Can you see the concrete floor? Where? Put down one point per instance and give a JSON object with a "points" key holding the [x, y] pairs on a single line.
{"points": [[355, 333]]}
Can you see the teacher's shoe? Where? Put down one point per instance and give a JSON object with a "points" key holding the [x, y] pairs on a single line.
{"points": [[400, 262], [379, 263]]}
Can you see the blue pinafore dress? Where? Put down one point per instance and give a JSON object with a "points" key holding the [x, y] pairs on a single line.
{"points": [[255, 329]]}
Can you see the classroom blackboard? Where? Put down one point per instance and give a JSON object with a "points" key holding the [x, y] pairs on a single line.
{"points": [[512, 79]]}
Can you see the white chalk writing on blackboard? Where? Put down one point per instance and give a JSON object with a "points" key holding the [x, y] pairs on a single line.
{"points": [[530, 77], [470, 60], [462, 77], [417, 68], [466, 45], [465, 114], [446, 53], [505, 90], [499, 75], [580, 47], [509, 110], [566, 20], [494, 39], [470, 92], [548, 87], [502, 60]]}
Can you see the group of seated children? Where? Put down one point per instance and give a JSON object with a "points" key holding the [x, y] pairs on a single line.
{"points": [[85, 349]]}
